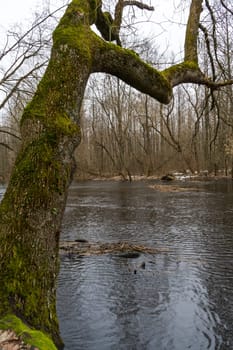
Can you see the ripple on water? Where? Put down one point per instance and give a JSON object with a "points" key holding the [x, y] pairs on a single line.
{"points": [[181, 300]]}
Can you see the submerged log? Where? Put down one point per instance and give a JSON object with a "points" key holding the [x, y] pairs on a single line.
{"points": [[168, 177]]}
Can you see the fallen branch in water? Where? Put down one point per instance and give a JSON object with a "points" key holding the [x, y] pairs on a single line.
{"points": [[83, 248], [174, 188]]}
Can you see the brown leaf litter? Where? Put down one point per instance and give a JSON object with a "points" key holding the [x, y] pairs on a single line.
{"points": [[10, 341]]}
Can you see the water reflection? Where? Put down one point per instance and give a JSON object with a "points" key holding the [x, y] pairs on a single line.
{"points": [[181, 300]]}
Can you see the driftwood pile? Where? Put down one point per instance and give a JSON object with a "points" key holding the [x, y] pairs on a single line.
{"points": [[124, 249], [174, 188]]}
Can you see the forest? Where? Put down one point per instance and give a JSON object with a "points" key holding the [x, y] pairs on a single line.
{"points": [[126, 133], [146, 114]]}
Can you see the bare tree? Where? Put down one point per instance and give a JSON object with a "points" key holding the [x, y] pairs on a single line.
{"points": [[23, 59]]}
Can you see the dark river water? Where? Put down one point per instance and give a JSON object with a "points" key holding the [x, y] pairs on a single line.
{"points": [[182, 299]]}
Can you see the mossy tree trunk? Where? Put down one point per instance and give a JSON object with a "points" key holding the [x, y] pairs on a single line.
{"points": [[33, 206]]}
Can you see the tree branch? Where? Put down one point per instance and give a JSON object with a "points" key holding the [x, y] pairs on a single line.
{"points": [[7, 147], [110, 27], [18, 82], [207, 42], [227, 8], [214, 34], [127, 66], [139, 5], [36, 24], [188, 72], [191, 35], [10, 133], [185, 72]]}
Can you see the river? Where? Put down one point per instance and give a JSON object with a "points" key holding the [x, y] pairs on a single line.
{"points": [[179, 298]]}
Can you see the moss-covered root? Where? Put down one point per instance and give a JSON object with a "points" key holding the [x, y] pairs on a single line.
{"points": [[37, 339]]}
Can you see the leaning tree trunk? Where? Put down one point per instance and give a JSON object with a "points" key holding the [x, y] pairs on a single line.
{"points": [[33, 206]]}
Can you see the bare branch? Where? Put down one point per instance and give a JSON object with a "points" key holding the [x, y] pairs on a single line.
{"points": [[18, 82], [2, 131], [214, 37], [207, 41], [216, 85], [139, 5], [6, 146], [227, 8], [37, 24]]}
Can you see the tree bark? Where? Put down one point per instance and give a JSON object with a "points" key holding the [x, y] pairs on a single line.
{"points": [[33, 206]]}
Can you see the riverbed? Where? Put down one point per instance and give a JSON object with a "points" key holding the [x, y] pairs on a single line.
{"points": [[179, 298]]}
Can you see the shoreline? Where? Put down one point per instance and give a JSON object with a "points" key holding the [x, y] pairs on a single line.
{"points": [[158, 178]]}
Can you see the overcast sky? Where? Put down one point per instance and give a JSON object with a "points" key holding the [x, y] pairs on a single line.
{"points": [[20, 11], [16, 11]]}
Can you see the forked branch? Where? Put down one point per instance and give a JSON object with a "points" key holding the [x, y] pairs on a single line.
{"points": [[110, 27]]}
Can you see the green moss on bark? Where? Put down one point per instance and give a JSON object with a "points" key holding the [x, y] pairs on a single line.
{"points": [[28, 335], [179, 69], [32, 208]]}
